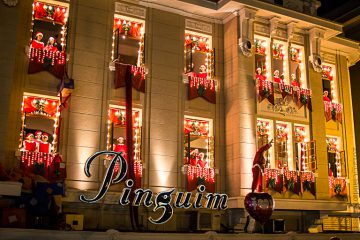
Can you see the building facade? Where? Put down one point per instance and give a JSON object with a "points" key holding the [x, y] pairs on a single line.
{"points": [[212, 83]]}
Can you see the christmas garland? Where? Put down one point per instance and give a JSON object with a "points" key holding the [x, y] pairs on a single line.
{"points": [[333, 111], [259, 48]]}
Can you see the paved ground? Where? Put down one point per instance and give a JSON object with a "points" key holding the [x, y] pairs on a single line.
{"points": [[26, 234]]}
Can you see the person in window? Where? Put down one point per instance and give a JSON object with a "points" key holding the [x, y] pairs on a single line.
{"points": [[203, 72], [29, 143], [202, 161], [51, 45], [120, 146], [194, 157], [37, 43], [277, 77], [259, 75], [44, 145], [325, 96], [294, 81], [259, 167], [38, 136]]}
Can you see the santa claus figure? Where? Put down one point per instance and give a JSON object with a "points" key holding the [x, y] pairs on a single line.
{"points": [[325, 96], [44, 145], [277, 77], [202, 161], [259, 75], [37, 43], [120, 146], [38, 136], [259, 167], [51, 45], [203, 72], [29, 143]]}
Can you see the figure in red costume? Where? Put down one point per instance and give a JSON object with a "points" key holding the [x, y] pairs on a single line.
{"points": [[277, 77], [259, 167], [259, 75], [44, 145], [202, 162], [29, 143], [38, 136], [325, 96], [194, 157], [202, 73], [294, 82], [120, 146], [37, 43], [50, 45]]}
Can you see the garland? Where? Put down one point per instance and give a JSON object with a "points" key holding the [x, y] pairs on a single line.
{"points": [[333, 111], [294, 54], [327, 72], [277, 51], [259, 47]]}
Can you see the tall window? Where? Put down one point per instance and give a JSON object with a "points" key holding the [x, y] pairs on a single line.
{"points": [[283, 152], [297, 69], [49, 25], [305, 150], [198, 142], [329, 83], [280, 68], [264, 134], [128, 40], [262, 59], [336, 158]]}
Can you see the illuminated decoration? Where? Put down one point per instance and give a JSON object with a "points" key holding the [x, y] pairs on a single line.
{"points": [[42, 58], [125, 27], [292, 181], [262, 128], [273, 179], [282, 145], [117, 118], [333, 111], [337, 186], [137, 75], [202, 87], [295, 54], [308, 182], [199, 156], [262, 60], [41, 106], [335, 168], [300, 133], [266, 90], [162, 202], [260, 46], [327, 72], [197, 42], [32, 161], [50, 12], [278, 51]]}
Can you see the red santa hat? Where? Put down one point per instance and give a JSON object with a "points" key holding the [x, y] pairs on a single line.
{"points": [[45, 135], [39, 34], [38, 133], [120, 138], [28, 135]]}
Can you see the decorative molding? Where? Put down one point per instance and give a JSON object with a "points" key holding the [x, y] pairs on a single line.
{"points": [[246, 24], [328, 57], [198, 26], [316, 35], [297, 38], [130, 10], [10, 3], [261, 29]]}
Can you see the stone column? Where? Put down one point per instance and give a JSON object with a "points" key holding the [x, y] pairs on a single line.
{"points": [[240, 107], [90, 34]]}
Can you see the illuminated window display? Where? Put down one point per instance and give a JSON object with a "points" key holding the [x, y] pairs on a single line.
{"points": [[333, 109], [279, 55], [305, 150], [337, 167], [199, 66], [282, 145], [39, 132], [199, 153], [116, 136], [48, 40], [262, 59], [264, 135], [297, 68], [128, 40]]}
